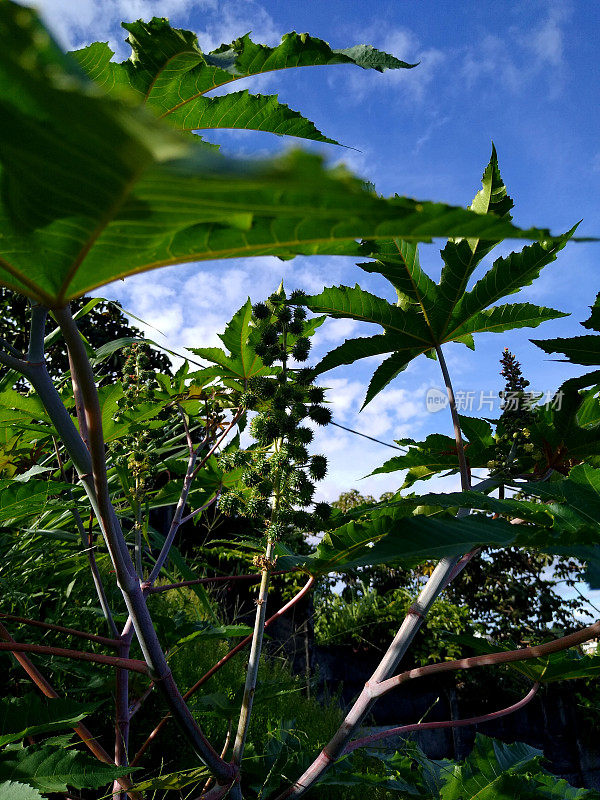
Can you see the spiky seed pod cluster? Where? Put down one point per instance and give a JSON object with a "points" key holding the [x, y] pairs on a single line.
{"points": [[279, 471], [512, 445]]}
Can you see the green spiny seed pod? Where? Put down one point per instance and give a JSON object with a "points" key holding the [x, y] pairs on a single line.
{"points": [[284, 315], [230, 503], [319, 414], [276, 531], [248, 400], [303, 520], [298, 452], [279, 401], [304, 376], [269, 357], [318, 467], [261, 311], [299, 411], [323, 511], [299, 314], [264, 428], [296, 327], [301, 349], [269, 335], [297, 295], [240, 458], [256, 507], [316, 394], [303, 435]]}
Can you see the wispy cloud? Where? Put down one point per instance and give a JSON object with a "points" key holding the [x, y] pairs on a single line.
{"points": [[76, 24], [522, 54]]}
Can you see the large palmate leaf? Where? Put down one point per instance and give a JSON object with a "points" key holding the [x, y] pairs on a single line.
{"points": [[392, 537], [579, 350], [12, 790], [486, 773], [427, 315], [94, 188], [19, 501], [410, 530], [438, 452], [52, 769], [168, 71], [29, 715]]}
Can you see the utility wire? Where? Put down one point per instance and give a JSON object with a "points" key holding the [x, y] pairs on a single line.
{"points": [[372, 438]]}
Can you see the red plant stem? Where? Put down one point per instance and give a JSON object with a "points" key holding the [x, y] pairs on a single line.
{"points": [[366, 741], [131, 664], [122, 714], [505, 657], [240, 646], [80, 729], [114, 643]]}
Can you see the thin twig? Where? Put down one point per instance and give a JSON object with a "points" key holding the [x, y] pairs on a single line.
{"points": [[86, 540], [96, 658], [61, 629], [367, 741]]}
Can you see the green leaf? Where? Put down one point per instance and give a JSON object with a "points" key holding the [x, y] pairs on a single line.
{"points": [[462, 256], [392, 537], [427, 315], [94, 188], [547, 786], [29, 715], [503, 318], [248, 112], [510, 274], [578, 349], [19, 501], [593, 322], [399, 264], [389, 370], [53, 770], [10, 790], [483, 774], [204, 630], [173, 780], [168, 70], [438, 453], [355, 303]]}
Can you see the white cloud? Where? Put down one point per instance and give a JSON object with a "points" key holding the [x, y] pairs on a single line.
{"points": [[515, 60], [405, 45], [78, 23]]}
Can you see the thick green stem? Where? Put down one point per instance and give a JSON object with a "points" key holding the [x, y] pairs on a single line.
{"points": [[253, 661]]}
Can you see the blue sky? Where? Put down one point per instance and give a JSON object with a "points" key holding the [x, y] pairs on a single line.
{"points": [[521, 74]]}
